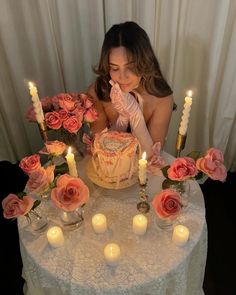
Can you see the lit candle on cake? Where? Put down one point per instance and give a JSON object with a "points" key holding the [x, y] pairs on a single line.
{"points": [[99, 223], [36, 103], [186, 112], [112, 253], [140, 224], [70, 158], [55, 236], [180, 235], [142, 172]]}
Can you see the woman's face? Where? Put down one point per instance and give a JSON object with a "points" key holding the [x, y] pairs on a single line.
{"points": [[122, 69]]}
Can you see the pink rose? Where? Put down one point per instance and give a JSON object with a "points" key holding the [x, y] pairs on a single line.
{"points": [[14, 207], [46, 104], [70, 193], [40, 180], [212, 164], [55, 148], [182, 169], [167, 204], [53, 120], [72, 124], [67, 101], [64, 115], [30, 114], [90, 115], [86, 101], [79, 112], [30, 164]]}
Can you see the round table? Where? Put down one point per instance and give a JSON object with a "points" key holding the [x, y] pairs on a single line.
{"points": [[150, 264]]}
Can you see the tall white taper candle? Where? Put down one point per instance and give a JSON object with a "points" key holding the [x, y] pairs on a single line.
{"points": [[36, 103], [186, 112]]}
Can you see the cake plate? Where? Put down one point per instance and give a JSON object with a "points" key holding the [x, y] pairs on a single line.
{"points": [[93, 176]]}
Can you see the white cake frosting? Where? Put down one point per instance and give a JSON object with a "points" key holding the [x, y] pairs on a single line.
{"points": [[115, 155]]}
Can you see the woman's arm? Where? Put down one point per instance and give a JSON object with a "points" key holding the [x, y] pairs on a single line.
{"points": [[102, 122], [160, 119]]}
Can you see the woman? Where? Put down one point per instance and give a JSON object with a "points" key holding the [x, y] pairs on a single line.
{"points": [[130, 89]]}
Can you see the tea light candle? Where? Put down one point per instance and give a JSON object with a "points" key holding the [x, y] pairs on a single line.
{"points": [[186, 112], [70, 158], [112, 253], [180, 235], [99, 223], [142, 172], [55, 236], [140, 224], [36, 103]]}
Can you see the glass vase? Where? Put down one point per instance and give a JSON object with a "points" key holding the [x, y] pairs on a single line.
{"points": [[182, 187], [73, 219], [37, 221], [164, 223]]}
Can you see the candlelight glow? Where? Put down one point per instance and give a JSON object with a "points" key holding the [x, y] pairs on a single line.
{"points": [[69, 150], [190, 93]]}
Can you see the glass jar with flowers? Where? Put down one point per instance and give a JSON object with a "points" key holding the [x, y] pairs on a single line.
{"points": [[194, 166], [167, 205], [70, 195], [22, 205]]}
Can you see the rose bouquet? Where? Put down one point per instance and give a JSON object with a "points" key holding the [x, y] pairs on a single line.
{"points": [[69, 113]]}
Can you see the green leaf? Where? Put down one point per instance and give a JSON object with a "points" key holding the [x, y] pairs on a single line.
{"points": [[199, 175], [195, 155], [164, 171], [61, 169], [20, 195], [36, 204]]}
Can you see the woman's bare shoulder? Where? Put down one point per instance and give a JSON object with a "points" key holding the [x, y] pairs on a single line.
{"points": [[91, 91]]}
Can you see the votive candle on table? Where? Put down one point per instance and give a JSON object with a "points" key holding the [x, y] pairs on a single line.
{"points": [[142, 169], [112, 253], [180, 235], [55, 236], [99, 223], [70, 158], [140, 224], [186, 112], [36, 103]]}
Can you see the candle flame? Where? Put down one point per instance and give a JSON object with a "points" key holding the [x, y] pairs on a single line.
{"points": [[144, 156], [190, 93], [69, 150], [31, 84]]}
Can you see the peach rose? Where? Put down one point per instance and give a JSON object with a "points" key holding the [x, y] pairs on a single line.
{"points": [[14, 206], [167, 204], [67, 102], [55, 148], [79, 112], [90, 115], [72, 124], [212, 165], [70, 193], [64, 115], [182, 169], [40, 180], [86, 101], [30, 164], [53, 120]]}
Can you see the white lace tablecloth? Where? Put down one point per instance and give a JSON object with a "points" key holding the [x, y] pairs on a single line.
{"points": [[150, 264]]}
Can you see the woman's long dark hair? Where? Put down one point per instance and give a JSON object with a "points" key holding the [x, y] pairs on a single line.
{"points": [[136, 41]]}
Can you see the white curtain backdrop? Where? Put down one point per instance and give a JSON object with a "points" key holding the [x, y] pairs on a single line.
{"points": [[55, 42]]}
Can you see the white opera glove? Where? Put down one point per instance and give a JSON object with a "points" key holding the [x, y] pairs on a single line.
{"points": [[126, 105]]}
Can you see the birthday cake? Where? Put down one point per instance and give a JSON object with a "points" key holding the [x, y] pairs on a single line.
{"points": [[115, 156]]}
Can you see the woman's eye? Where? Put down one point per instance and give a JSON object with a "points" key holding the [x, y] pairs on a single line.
{"points": [[114, 69]]}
